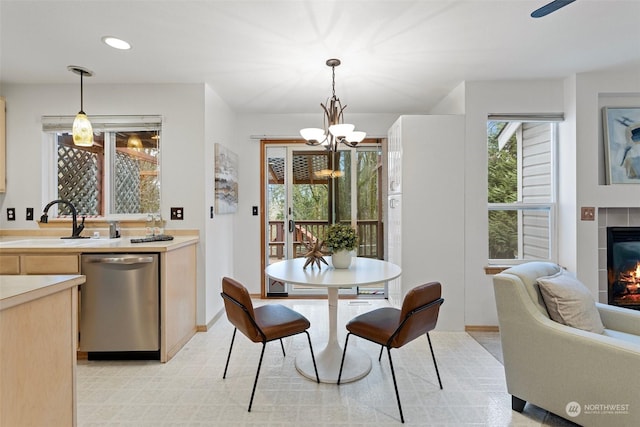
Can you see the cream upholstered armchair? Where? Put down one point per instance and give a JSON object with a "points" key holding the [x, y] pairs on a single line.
{"points": [[590, 378]]}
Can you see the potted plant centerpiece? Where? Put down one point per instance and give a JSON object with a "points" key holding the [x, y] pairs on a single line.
{"points": [[342, 239]]}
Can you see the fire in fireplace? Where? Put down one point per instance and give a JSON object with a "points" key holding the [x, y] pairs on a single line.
{"points": [[623, 266]]}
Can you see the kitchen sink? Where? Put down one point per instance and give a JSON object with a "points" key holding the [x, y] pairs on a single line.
{"points": [[50, 243]]}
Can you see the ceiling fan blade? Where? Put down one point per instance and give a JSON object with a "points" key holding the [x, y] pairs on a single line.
{"points": [[551, 7]]}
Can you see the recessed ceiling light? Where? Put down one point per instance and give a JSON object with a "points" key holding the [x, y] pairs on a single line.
{"points": [[116, 43]]}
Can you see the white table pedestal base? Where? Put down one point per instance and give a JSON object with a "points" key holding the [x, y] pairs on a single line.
{"points": [[357, 364]]}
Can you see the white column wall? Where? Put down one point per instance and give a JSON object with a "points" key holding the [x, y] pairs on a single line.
{"points": [[482, 99]]}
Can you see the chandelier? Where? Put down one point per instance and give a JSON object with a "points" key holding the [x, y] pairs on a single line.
{"points": [[335, 131]]}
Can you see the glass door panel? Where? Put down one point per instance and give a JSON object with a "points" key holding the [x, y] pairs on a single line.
{"points": [[307, 190], [276, 207]]}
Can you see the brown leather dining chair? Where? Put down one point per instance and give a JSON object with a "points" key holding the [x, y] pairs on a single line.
{"points": [[261, 324], [393, 328]]}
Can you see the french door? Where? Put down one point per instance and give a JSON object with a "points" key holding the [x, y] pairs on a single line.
{"points": [[305, 190]]}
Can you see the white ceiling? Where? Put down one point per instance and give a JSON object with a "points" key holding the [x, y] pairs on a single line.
{"points": [[269, 56]]}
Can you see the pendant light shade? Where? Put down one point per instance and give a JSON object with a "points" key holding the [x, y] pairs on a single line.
{"points": [[134, 142], [82, 130]]}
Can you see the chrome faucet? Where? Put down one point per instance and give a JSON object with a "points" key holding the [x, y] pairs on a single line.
{"points": [[76, 230]]}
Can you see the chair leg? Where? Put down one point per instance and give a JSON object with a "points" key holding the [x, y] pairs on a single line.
{"points": [[380, 355], [517, 404], [313, 357], [395, 385], [255, 383], [282, 345], [344, 352], [434, 360], [229, 356]]}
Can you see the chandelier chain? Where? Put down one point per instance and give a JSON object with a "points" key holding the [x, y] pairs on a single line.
{"points": [[333, 80]]}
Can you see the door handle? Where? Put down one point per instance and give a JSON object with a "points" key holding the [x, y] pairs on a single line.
{"points": [[122, 260], [292, 226]]}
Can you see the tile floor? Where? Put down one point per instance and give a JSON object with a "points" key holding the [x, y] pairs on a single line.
{"points": [[190, 391]]}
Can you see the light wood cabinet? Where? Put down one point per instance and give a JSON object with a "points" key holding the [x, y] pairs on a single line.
{"points": [[178, 300], [9, 264], [50, 264], [39, 264], [38, 354], [178, 282]]}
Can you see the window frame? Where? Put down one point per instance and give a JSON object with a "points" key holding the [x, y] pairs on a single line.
{"points": [[519, 206], [108, 125]]}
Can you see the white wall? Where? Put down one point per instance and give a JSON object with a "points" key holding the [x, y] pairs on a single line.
{"points": [[219, 231], [482, 99], [186, 181], [195, 118]]}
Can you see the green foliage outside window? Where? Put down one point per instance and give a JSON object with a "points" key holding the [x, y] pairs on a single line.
{"points": [[502, 188]]}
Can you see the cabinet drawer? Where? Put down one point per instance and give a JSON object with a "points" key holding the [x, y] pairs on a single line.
{"points": [[9, 264], [50, 264]]}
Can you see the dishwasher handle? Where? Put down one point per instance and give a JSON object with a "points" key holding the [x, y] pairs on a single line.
{"points": [[122, 260]]}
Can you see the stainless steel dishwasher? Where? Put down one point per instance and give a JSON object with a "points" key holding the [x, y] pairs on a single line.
{"points": [[120, 306]]}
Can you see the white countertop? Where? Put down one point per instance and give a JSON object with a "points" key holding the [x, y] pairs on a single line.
{"points": [[21, 244], [18, 289]]}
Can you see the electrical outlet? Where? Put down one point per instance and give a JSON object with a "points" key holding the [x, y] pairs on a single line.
{"points": [[177, 214], [587, 213], [29, 214], [11, 214], [254, 210]]}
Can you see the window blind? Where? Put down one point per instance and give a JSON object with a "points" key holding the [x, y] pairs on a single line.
{"points": [[529, 117], [103, 123]]}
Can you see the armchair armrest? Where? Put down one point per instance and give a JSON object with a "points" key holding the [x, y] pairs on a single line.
{"points": [[619, 319]]}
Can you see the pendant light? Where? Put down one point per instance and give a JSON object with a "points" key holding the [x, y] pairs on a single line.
{"points": [[134, 142], [82, 129]]}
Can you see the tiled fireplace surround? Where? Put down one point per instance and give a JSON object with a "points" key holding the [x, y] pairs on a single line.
{"points": [[611, 217]]}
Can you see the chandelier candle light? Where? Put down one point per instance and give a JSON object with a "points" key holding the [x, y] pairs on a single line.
{"points": [[335, 131], [82, 130]]}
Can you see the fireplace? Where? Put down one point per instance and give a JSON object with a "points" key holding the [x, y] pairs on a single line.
{"points": [[623, 266]]}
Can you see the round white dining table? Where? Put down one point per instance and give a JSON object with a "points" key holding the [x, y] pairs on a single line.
{"points": [[363, 271]]}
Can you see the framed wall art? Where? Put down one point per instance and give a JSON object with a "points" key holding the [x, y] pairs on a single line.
{"points": [[226, 180], [622, 144]]}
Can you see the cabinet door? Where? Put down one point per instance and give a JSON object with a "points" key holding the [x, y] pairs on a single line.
{"points": [[50, 264], [9, 264]]}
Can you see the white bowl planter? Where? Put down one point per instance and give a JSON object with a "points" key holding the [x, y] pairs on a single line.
{"points": [[342, 258]]}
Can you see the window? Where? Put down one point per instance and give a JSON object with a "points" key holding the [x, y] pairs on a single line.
{"points": [[521, 188], [118, 176]]}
